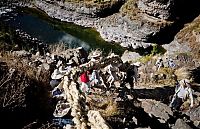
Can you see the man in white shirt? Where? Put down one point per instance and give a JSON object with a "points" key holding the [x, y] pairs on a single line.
{"points": [[183, 92]]}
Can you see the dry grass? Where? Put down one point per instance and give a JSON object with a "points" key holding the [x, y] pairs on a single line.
{"points": [[189, 28], [57, 48], [105, 104], [183, 73], [130, 9], [111, 109], [21, 65], [145, 59], [167, 76], [100, 4], [190, 34], [150, 76]]}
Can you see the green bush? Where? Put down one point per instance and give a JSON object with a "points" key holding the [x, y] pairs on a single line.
{"points": [[157, 49]]}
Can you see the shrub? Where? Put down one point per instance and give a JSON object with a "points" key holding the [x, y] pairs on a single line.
{"points": [[157, 49]]}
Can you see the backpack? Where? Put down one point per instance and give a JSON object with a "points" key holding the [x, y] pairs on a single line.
{"points": [[84, 77]]}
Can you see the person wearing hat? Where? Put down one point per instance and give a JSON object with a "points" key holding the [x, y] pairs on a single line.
{"points": [[183, 92], [95, 78], [171, 63], [55, 78], [85, 82], [69, 66], [159, 63], [95, 56], [57, 75], [132, 74]]}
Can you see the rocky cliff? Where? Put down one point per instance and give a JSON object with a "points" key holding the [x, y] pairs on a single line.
{"points": [[187, 40], [132, 24]]}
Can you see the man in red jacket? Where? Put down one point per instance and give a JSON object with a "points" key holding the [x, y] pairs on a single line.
{"points": [[84, 78]]}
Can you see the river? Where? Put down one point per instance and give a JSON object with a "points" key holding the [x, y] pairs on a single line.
{"points": [[51, 31]]}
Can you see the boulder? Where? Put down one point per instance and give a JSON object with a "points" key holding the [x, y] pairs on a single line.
{"points": [[130, 56], [180, 124], [46, 66], [194, 114], [21, 53], [175, 47], [157, 109]]}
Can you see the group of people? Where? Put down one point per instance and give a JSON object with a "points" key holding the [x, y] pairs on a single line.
{"points": [[88, 78], [160, 63], [183, 89], [89, 81], [60, 71], [91, 78]]}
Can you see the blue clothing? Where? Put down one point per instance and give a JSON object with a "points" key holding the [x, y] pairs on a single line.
{"points": [[62, 121], [171, 64], [57, 92]]}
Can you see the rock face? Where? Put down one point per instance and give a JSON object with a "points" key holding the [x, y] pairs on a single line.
{"points": [[136, 24], [180, 124], [157, 109], [129, 32], [175, 47], [194, 114], [68, 12], [135, 28], [187, 40], [132, 23], [156, 8]]}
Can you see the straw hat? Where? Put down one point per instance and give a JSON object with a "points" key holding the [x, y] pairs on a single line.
{"points": [[80, 48], [112, 54], [137, 64], [95, 54], [59, 63], [184, 82], [56, 74], [70, 62], [93, 60], [159, 58]]}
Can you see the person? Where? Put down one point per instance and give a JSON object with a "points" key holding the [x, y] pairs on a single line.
{"points": [[95, 56], [83, 55], [171, 63], [71, 63], [94, 79], [181, 94], [136, 74], [112, 74], [130, 75], [85, 86], [56, 77], [159, 63]]}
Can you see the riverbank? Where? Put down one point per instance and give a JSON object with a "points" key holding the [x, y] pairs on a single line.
{"points": [[114, 28], [54, 31]]}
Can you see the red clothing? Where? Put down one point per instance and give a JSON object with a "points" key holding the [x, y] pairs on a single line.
{"points": [[84, 77]]}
